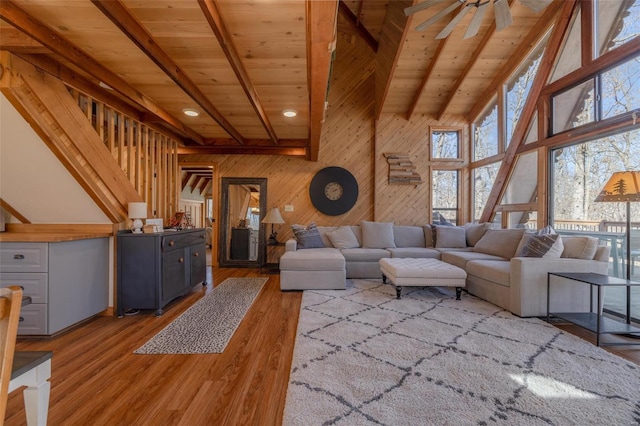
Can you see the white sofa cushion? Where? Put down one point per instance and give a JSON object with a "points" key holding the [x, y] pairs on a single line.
{"points": [[460, 258], [415, 252], [343, 237], [450, 237], [500, 242], [364, 254], [377, 234], [475, 231], [579, 247], [497, 271], [314, 259], [408, 236]]}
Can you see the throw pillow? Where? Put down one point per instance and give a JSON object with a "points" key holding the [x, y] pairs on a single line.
{"points": [[580, 247], [343, 238], [428, 236], [377, 235], [500, 242], [546, 245], [308, 237], [408, 236], [450, 237], [547, 230], [475, 231]]}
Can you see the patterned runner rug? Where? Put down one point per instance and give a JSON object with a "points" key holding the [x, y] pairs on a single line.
{"points": [[364, 357], [208, 325]]}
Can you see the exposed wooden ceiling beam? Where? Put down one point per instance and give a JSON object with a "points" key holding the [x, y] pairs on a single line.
{"points": [[185, 180], [427, 75], [15, 213], [120, 16], [528, 43], [69, 51], [16, 41], [248, 150], [321, 35], [360, 29], [287, 143], [393, 35], [560, 29], [214, 17]]}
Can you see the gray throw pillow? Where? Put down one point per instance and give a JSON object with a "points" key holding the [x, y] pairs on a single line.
{"points": [[308, 237], [377, 235], [343, 238], [500, 242], [475, 231], [450, 237]]}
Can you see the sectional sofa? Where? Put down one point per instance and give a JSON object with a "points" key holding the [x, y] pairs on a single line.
{"points": [[500, 263]]}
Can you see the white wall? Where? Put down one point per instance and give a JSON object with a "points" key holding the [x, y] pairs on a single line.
{"points": [[33, 181]]}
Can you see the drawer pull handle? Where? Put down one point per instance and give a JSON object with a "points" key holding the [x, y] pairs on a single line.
{"points": [[171, 243], [196, 254], [21, 319], [18, 256], [181, 260]]}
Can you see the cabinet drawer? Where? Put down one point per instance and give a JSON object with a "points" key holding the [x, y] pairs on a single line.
{"points": [[33, 319], [23, 257], [174, 242], [33, 284]]}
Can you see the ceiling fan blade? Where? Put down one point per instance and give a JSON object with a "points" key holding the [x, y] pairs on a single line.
{"points": [[451, 25], [438, 16], [420, 6], [474, 26], [503, 14], [536, 5]]}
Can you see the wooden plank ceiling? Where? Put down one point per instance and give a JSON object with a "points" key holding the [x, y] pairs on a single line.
{"points": [[241, 63]]}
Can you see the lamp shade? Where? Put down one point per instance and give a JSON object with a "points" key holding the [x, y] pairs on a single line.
{"points": [[137, 210], [621, 186], [273, 217]]}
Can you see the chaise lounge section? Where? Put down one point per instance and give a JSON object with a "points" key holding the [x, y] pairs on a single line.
{"points": [[499, 263]]}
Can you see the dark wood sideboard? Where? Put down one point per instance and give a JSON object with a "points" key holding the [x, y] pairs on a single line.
{"points": [[154, 269]]}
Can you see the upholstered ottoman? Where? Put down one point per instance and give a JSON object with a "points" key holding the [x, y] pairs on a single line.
{"points": [[422, 273], [313, 269]]}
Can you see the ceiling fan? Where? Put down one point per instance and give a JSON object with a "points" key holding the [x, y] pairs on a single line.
{"points": [[500, 7]]}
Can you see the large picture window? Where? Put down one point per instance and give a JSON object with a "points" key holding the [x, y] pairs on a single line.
{"points": [[483, 179], [485, 135], [445, 144], [444, 196]]}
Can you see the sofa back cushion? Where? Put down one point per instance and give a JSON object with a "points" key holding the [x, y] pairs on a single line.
{"points": [[450, 237], [579, 247], [308, 237], [343, 238], [408, 236], [500, 242], [377, 234], [475, 231], [324, 230]]}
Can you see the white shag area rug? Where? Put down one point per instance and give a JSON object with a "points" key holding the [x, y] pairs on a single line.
{"points": [[207, 326], [364, 357]]}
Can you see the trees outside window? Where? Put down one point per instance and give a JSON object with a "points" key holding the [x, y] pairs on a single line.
{"points": [[445, 144], [444, 196]]}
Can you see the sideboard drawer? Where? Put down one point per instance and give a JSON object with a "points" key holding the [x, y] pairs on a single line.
{"points": [[24, 257], [33, 319], [33, 284]]}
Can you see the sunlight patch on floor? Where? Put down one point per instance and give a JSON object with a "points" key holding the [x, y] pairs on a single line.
{"points": [[546, 387]]}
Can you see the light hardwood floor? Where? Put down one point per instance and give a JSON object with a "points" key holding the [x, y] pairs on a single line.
{"points": [[97, 380]]}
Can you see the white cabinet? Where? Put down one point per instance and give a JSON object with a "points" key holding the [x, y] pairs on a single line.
{"points": [[67, 281]]}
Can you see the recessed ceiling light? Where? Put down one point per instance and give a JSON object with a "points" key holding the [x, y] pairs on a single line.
{"points": [[190, 112], [289, 113]]}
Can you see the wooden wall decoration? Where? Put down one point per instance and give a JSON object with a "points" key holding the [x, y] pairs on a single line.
{"points": [[402, 171]]}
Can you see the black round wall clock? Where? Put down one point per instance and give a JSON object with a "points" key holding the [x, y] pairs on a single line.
{"points": [[333, 191]]}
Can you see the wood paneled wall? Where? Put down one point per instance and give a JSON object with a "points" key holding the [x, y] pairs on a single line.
{"points": [[351, 139], [347, 141]]}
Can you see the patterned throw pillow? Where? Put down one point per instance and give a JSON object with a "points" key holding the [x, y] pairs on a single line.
{"points": [[308, 237], [546, 245]]}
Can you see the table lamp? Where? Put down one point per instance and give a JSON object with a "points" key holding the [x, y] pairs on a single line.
{"points": [[621, 187], [137, 212], [273, 217]]}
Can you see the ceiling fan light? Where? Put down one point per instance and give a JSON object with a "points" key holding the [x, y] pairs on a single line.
{"points": [[191, 112], [289, 113]]}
